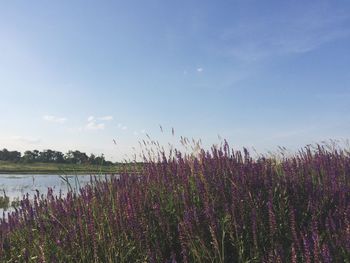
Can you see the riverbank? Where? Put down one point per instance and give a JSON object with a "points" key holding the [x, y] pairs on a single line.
{"points": [[53, 168]]}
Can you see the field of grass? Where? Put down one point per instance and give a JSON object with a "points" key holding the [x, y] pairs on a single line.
{"points": [[53, 168], [221, 206]]}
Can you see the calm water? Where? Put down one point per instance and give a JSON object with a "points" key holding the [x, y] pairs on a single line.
{"points": [[15, 186]]}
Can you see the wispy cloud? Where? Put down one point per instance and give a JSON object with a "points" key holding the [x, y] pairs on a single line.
{"points": [[51, 118], [103, 118], [106, 118], [276, 36], [199, 70], [122, 126], [98, 123], [92, 125], [26, 140]]}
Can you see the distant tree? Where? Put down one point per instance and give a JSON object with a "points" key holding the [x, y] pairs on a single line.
{"points": [[100, 160], [16, 156], [69, 157], [4, 154], [91, 159], [36, 154], [76, 157], [108, 163], [29, 156], [12, 156], [80, 157], [46, 156], [58, 157], [51, 156]]}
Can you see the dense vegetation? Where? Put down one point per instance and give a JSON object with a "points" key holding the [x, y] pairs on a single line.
{"points": [[221, 206], [51, 156]]}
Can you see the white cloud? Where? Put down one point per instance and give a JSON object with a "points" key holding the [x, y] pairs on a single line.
{"points": [[51, 118], [97, 123], [106, 118], [103, 118], [92, 125], [199, 70]]}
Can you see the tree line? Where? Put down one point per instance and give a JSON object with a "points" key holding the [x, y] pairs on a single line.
{"points": [[51, 156]]}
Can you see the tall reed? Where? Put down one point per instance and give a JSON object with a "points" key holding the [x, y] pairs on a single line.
{"points": [[219, 206]]}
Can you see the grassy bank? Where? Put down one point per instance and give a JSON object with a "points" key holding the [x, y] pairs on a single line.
{"points": [[222, 206], [53, 168]]}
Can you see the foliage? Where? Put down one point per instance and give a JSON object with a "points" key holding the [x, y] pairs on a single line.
{"points": [[50, 156], [221, 206]]}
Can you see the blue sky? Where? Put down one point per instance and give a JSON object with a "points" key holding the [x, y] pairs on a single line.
{"points": [[76, 74]]}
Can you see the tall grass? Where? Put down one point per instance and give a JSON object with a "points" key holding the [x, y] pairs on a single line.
{"points": [[220, 206]]}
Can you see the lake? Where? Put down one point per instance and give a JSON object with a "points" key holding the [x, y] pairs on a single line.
{"points": [[15, 186]]}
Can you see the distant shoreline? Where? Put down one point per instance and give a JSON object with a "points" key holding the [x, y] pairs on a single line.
{"points": [[53, 168], [54, 172]]}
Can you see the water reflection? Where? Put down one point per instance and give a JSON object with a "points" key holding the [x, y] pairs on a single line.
{"points": [[16, 186]]}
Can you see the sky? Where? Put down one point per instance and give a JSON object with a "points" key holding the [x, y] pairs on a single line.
{"points": [[262, 74]]}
